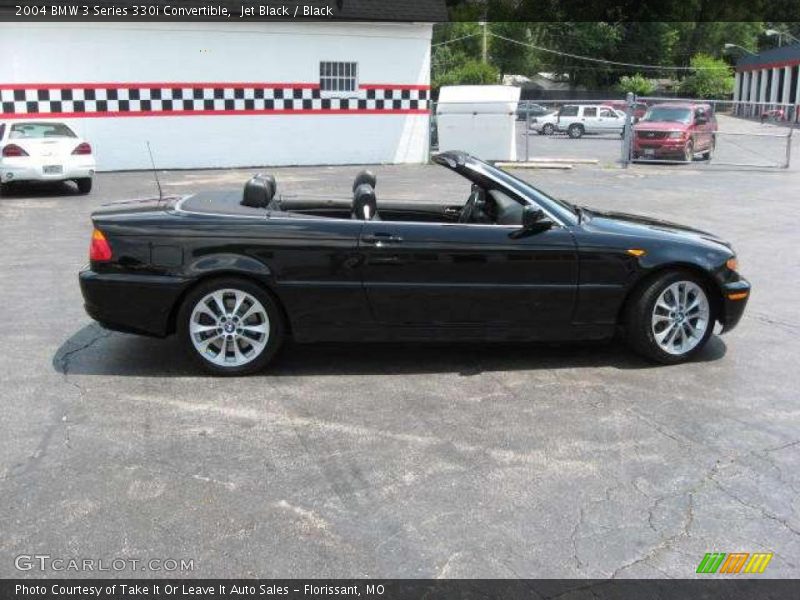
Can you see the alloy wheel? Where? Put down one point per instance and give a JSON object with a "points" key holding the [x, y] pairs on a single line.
{"points": [[680, 317], [229, 327]]}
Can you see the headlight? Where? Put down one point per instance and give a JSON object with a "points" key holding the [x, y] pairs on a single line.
{"points": [[732, 263], [675, 135]]}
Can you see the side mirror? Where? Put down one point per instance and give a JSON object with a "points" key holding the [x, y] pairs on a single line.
{"points": [[531, 217], [533, 221]]}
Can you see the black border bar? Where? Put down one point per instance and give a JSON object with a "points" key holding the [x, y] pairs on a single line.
{"points": [[404, 10], [399, 589]]}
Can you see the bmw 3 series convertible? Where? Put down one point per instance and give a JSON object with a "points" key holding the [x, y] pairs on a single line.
{"points": [[236, 273]]}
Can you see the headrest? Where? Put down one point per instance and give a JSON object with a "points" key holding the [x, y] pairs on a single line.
{"points": [[365, 176], [364, 203], [258, 191]]}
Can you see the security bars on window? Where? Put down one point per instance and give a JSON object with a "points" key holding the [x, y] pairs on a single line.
{"points": [[338, 76]]}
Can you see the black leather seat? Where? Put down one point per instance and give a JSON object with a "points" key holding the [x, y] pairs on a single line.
{"points": [[365, 205], [259, 191]]}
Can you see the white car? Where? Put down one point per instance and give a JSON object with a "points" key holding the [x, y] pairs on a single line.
{"points": [[44, 151], [578, 119], [545, 124]]}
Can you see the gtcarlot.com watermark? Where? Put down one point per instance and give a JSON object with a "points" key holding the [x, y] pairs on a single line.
{"points": [[46, 562]]}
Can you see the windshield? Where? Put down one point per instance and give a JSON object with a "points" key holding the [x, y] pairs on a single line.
{"points": [[669, 113], [39, 130], [566, 210]]}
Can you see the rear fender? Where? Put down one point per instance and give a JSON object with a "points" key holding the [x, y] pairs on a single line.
{"points": [[228, 264]]}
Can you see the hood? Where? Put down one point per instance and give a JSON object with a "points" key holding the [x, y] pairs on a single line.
{"points": [[661, 126], [647, 227]]}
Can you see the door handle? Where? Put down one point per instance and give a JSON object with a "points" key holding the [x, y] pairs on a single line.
{"points": [[379, 239]]}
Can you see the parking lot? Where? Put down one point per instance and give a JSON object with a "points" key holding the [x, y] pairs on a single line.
{"points": [[739, 142], [506, 461]]}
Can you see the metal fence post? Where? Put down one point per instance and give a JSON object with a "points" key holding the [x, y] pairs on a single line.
{"points": [[627, 131], [527, 130], [788, 148]]}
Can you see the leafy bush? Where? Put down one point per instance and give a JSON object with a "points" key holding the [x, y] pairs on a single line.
{"points": [[713, 78], [472, 72], [637, 84]]}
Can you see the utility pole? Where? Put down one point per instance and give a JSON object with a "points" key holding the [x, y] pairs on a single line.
{"points": [[484, 51]]}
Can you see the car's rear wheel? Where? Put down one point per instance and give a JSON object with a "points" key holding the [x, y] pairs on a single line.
{"points": [[84, 185], [5, 189], [575, 131], [548, 129], [671, 318], [231, 326]]}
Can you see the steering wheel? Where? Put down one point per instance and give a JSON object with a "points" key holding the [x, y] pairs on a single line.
{"points": [[469, 208]]}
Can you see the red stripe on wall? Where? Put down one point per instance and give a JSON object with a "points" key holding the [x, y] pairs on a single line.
{"points": [[196, 84], [380, 86], [196, 113]]}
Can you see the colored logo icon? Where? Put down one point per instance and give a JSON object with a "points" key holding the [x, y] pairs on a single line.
{"points": [[733, 563]]}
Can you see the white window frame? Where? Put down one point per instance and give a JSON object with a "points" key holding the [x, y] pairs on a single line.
{"points": [[338, 72]]}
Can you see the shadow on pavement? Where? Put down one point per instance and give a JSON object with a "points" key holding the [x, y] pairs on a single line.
{"points": [[94, 351], [40, 190]]}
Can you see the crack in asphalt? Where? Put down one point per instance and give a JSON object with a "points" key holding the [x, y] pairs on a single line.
{"points": [[62, 364], [779, 323]]}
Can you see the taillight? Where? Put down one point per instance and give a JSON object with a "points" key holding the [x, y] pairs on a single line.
{"points": [[82, 148], [13, 150], [99, 250]]}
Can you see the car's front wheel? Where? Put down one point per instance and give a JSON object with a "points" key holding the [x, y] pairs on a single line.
{"points": [[688, 152], [231, 326], [671, 318], [84, 185]]}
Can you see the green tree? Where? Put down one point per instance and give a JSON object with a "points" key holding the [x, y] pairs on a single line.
{"points": [[712, 78], [472, 72], [637, 84]]}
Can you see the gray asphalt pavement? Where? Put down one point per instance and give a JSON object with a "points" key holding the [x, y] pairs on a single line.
{"points": [[403, 460]]}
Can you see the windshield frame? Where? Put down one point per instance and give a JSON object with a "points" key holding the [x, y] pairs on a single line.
{"points": [[564, 213]]}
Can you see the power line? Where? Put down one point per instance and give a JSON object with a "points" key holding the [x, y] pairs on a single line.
{"points": [[458, 39], [601, 60]]}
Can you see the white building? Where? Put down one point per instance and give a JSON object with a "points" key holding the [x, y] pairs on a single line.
{"points": [[223, 95]]}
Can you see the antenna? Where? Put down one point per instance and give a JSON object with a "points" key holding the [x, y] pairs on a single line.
{"points": [[155, 173]]}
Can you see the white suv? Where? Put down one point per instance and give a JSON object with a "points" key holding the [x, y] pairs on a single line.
{"points": [[578, 119]]}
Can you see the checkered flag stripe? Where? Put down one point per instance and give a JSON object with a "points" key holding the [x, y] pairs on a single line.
{"points": [[164, 99]]}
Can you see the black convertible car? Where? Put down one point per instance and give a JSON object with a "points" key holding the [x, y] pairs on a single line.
{"points": [[234, 274]]}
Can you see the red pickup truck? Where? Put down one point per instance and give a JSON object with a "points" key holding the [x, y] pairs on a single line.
{"points": [[675, 131]]}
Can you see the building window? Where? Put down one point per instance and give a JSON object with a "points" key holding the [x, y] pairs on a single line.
{"points": [[338, 76]]}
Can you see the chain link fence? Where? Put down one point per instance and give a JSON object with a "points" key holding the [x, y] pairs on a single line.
{"points": [[651, 130]]}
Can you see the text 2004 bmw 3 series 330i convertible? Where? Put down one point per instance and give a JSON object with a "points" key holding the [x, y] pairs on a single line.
{"points": [[235, 274]]}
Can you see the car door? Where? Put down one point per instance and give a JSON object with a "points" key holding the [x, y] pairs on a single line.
{"points": [[702, 128], [608, 121], [478, 277], [589, 119]]}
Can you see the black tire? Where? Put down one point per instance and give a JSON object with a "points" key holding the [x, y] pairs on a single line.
{"points": [[548, 129], [276, 324], [638, 317], [84, 185], [365, 176], [575, 131], [688, 152], [5, 189]]}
